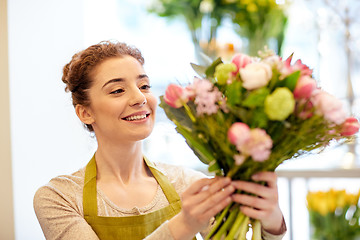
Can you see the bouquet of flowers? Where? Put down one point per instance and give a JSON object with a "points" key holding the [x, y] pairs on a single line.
{"points": [[250, 115], [334, 214]]}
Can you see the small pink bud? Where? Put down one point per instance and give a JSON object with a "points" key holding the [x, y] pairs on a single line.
{"points": [[350, 126], [175, 96]]}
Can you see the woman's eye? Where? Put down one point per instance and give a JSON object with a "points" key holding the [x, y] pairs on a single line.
{"points": [[145, 87], [117, 91]]}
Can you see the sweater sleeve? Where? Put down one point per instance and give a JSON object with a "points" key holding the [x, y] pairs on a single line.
{"points": [[59, 218]]}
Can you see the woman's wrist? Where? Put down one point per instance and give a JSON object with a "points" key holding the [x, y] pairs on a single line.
{"points": [[277, 231], [180, 229]]}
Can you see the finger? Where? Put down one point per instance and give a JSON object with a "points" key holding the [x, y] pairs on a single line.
{"points": [[217, 208], [254, 188], [202, 202], [269, 177], [251, 201], [197, 186], [252, 212], [213, 206], [219, 184]]}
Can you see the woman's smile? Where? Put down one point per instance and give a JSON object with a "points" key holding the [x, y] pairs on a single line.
{"points": [[137, 117]]}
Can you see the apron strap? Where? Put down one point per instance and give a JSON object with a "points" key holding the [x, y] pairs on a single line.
{"points": [[90, 192]]}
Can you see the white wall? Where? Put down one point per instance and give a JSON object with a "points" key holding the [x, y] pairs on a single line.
{"points": [[46, 138]]}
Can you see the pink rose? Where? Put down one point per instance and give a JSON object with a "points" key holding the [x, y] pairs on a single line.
{"points": [[350, 127], [255, 75], [240, 60], [304, 87], [238, 133], [329, 106], [176, 96]]}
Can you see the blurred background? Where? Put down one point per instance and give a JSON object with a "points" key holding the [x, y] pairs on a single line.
{"points": [[41, 136]]}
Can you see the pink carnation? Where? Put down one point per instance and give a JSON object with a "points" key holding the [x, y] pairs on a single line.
{"points": [[329, 106], [258, 146], [206, 96]]}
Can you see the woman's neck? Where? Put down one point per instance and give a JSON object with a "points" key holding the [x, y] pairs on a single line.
{"points": [[120, 162]]}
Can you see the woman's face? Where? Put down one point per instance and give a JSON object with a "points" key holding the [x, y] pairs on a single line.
{"points": [[122, 106]]}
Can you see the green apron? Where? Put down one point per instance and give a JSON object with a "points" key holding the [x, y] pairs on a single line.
{"points": [[130, 227]]}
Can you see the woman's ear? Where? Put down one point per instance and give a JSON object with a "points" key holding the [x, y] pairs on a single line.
{"points": [[84, 114]]}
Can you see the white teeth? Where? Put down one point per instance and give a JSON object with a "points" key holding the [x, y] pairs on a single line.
{"points": [[137, 117]]}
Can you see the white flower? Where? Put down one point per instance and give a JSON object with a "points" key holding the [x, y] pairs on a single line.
{"points": [[255, 75]]}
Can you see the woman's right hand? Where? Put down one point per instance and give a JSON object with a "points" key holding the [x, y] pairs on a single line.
{"points": [[200, 202]]}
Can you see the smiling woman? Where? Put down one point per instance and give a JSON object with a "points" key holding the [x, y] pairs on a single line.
{"points": [[120, 194]]}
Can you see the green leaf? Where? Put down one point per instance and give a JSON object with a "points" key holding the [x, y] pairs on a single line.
{"points": [[211, 69], [259, 118], [291, 80], [233, 93], [199, 148], [240, 113], [256, 98], [213, 166], [200, 70]]}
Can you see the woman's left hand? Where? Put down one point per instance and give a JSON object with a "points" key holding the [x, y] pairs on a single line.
{"points": [[264, 206]]}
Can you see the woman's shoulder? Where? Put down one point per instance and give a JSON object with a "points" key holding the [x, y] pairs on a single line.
{"points": [[66, 189], [180, 176]]}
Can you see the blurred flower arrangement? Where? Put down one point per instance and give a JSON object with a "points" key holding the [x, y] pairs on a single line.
{"points": [[203, 17], [334, 214], [260, 22], [256, 21], [250, 115]]}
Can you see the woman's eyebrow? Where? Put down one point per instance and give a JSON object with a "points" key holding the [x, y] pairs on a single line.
{"points": [[143, 76], [112, 81], [140, 76]]}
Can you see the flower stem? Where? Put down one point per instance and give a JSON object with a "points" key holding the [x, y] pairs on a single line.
{"points": [[236, 227], [256, 227], [218, 221], [189, 113], [243, 229], [225, 226]]}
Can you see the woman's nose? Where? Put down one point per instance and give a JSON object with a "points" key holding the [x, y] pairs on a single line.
{"points": [[137, 98]]}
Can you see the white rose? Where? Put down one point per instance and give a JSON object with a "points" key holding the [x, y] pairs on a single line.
{"points": [[255, 75]]}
